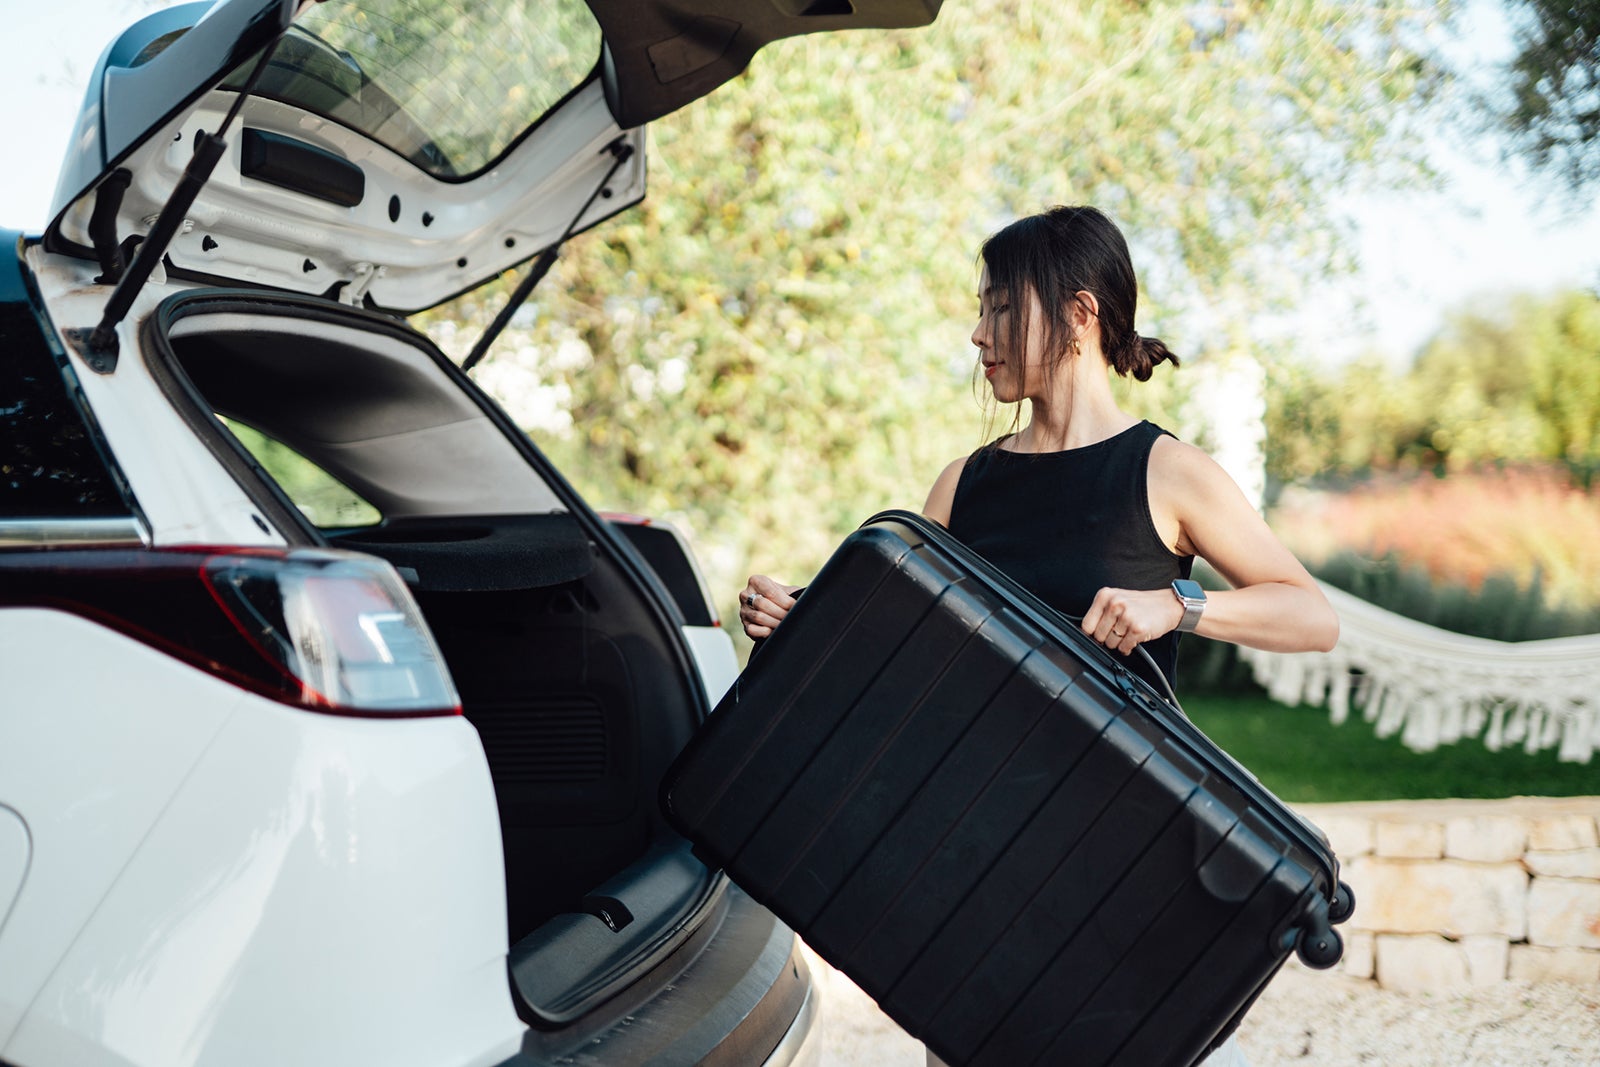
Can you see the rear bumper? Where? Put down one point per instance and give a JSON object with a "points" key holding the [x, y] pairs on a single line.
{"points": [[802, 1045], [737, 993]]}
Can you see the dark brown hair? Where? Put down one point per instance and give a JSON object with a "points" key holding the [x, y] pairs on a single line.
{"points": [[1058, 254]]}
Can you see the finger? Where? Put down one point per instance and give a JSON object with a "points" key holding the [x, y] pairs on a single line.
{"points": [[751, 596], [1091, 618], [755, 608], [772, 592], [759, 612], [1113, 625]]}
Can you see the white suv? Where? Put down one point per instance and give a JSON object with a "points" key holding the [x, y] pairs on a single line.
{"points": [[331, 717]]}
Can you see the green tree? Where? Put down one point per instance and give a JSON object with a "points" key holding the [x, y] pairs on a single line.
{"points": [[775, 344], [1520, 382], [1339, 425], [1564, 376], [1552, 103]]}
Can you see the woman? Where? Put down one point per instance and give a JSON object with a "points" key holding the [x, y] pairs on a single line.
{"points": [[1099, 514]]}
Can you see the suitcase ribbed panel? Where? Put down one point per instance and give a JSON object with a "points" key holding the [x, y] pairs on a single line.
{"points": [[1011, 844]]}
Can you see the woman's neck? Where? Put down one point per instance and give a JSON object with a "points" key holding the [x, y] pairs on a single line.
{"points": [[1078, 411]]}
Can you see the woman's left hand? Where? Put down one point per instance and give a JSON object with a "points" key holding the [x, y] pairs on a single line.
{"points": [[1121, 619]]}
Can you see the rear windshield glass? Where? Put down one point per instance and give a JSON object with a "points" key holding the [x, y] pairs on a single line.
{"points": [[446, 84]]}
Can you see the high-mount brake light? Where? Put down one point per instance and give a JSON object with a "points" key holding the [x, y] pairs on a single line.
{"points": [[325, 630]]}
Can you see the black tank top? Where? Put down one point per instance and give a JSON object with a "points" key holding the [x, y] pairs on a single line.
{"points": [[1065, 525]]}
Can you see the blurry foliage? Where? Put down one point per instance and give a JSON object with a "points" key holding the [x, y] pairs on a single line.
{"points": [[321, 497], [1507, 555], [1552, 104], [1510, 554], [1521, 384], [775, 344], [1501, 607], [1517, 381]]}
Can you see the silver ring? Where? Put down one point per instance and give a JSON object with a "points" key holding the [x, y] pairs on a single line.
{"points": [[750, 601]]}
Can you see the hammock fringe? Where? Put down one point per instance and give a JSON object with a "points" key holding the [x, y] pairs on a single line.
{"points": [[1434, 687]]}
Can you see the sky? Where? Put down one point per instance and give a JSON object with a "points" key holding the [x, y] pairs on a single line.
{"points": [[1489, 231]]}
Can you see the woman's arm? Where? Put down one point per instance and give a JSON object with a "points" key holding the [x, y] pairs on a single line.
{"points": [[1198, 510], [943, 494]]}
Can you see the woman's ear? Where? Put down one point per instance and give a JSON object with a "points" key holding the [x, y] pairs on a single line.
{"points": [[1084, 308], [1085, 313]]}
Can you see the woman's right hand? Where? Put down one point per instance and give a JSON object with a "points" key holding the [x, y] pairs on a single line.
{"points": [[763, 603]]}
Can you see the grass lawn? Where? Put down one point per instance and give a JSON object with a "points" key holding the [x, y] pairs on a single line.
{"points": [[1299, 755]]}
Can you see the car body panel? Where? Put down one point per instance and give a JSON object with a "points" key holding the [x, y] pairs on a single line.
{"points": [[444, 238], [121, 107], [185, 495], [66, 738], [740, 972], [663, 54], [290, 859], [713, 654], [15, 851]]}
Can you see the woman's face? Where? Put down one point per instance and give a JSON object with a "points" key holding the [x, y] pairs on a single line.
{"points": [[1012, 375]]}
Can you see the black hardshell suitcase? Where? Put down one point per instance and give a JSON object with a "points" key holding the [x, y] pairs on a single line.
{"points": [[1011, 842]]}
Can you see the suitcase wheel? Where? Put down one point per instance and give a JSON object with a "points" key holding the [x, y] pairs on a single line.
{"points": [[1342, 906], [1319, 948]]}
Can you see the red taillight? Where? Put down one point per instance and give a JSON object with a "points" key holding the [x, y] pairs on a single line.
{"points": [[626, 518], [331, 631]]}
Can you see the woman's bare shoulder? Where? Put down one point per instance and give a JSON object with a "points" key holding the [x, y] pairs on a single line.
{"points": [[1179, 467], [941, 498]]}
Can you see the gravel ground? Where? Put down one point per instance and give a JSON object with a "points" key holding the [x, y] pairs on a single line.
{"points": [[1311, 1019]]}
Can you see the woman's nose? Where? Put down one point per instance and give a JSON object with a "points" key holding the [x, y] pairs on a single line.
{"points": [[980, 333]]}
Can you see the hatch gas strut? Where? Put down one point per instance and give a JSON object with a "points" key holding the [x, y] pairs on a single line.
{"points": [[621, 152], [99, 346]]}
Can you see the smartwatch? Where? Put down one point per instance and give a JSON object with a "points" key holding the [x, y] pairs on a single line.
{"points": [[1193, 599]]}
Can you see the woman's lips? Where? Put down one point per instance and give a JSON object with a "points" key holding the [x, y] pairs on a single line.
{"points": [[990, 368]]}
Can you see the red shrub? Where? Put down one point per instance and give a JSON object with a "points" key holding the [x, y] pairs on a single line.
{"points": [[1460, 529]]}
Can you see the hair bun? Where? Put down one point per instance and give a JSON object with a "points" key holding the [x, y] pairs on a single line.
{"points": [[1143, 355]]}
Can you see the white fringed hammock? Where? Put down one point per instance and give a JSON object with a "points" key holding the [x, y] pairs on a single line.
{"points": [[1435, 687]]}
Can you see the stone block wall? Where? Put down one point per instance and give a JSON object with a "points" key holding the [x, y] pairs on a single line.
{"points": [[1457, 893]]}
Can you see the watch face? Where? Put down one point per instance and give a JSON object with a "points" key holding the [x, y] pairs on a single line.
{"points": [[1189, 590]]}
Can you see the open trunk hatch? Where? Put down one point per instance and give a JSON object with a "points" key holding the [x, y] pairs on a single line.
{"points": [[396, 153]]}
